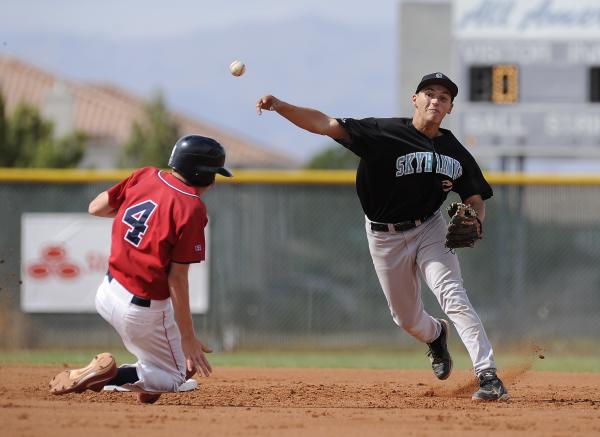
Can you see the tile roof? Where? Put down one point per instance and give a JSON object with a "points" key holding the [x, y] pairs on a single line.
{"points": [[105, 111]]}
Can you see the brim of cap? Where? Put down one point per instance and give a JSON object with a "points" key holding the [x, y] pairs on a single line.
{"points": [[444, 82], [221, 170], [224, 172]]}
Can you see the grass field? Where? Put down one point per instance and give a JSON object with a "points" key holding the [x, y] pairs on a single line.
{"points": [[350, 359]]}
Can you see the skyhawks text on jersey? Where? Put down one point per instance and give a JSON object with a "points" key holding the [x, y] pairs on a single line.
{"points": [[422, 162]]}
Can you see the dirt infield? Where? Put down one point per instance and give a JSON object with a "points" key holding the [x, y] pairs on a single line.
{"points": [[307, 402]]}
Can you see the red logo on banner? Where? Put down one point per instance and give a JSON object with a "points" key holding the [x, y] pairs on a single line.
{"points": [[53, 254], [53, 262], [67, 270], [38, 271]]}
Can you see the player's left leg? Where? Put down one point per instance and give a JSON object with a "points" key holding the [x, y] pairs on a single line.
{"points": [[441, 271], [161, 363], [149, 333]]}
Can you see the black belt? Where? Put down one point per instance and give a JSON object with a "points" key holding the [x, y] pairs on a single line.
{"points": [[139, 301], [400, 226]]}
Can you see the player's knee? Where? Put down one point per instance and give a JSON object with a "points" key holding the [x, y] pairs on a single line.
{"points": [[451, 293], [458, 309], [164, 381], [449, 287], [455, 302]]}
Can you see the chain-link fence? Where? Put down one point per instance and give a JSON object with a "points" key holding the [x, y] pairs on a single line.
{"points": [[289, 266]]}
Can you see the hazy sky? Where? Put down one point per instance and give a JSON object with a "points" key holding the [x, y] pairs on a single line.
{"points": [[144, 18], [63, 37], [311, 68]]}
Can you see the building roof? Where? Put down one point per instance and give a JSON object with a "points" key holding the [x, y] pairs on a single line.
{"points": [[107, 112]]}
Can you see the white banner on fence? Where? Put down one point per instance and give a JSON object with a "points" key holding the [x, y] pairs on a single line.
{"points": [[64, 258]]}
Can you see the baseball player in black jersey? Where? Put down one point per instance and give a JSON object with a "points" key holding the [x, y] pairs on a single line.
{"points": [[407, 168]]}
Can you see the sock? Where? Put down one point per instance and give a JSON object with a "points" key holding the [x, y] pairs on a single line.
{"points": [[125, 375]]}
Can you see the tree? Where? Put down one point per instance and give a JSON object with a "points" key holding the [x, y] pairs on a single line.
{"points": [[152, 138], [334, 157], [26, 140], [63, 153], [4, 146], [26, 134]]}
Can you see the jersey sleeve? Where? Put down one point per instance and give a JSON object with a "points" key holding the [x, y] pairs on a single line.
{"points": [[190, 245], [472, 181], [363, 135], [116, 193]]}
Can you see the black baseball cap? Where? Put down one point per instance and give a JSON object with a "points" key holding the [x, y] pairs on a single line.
{"points": [[440, 79]]}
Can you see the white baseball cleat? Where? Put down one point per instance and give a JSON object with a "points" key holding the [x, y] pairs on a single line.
{"points": [[189, 385], [101, 369]]}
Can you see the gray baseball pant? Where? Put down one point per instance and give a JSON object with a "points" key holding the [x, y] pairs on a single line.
{"points": [[400, 258]]}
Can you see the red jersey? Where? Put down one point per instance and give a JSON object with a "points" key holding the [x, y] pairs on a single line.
{"points": [[159, 220]]}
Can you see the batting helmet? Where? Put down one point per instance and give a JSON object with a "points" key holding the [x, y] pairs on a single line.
{"points": [[198, 158]]}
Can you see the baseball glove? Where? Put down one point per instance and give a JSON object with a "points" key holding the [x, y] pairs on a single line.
{"points": [[464, 227]]}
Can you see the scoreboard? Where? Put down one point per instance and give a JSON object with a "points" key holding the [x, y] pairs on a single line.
{"points": [[529, 77]]}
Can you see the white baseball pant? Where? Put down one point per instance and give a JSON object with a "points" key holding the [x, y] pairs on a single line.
{"points": [[399, 257], [151, 334]]}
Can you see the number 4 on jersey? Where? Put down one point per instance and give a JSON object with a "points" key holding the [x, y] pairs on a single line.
{"points": [[136, 217]]}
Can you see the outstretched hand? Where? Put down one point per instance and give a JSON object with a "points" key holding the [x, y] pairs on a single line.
{"points": [[193, 350], [267, 102]]}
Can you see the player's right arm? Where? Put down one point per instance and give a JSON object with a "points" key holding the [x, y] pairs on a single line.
{"points": [[193, 348], [306, 118], [106, 204], [100, 206]]}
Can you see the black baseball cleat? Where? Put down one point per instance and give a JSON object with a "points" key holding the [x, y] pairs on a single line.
{"points": [[490, 387], [441, 361]]}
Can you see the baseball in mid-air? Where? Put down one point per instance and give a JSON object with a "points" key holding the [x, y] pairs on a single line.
{"points": [[237, 68]]}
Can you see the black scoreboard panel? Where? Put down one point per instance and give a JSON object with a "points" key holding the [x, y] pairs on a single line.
{"points": [[594, 78], [494, 83]]}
